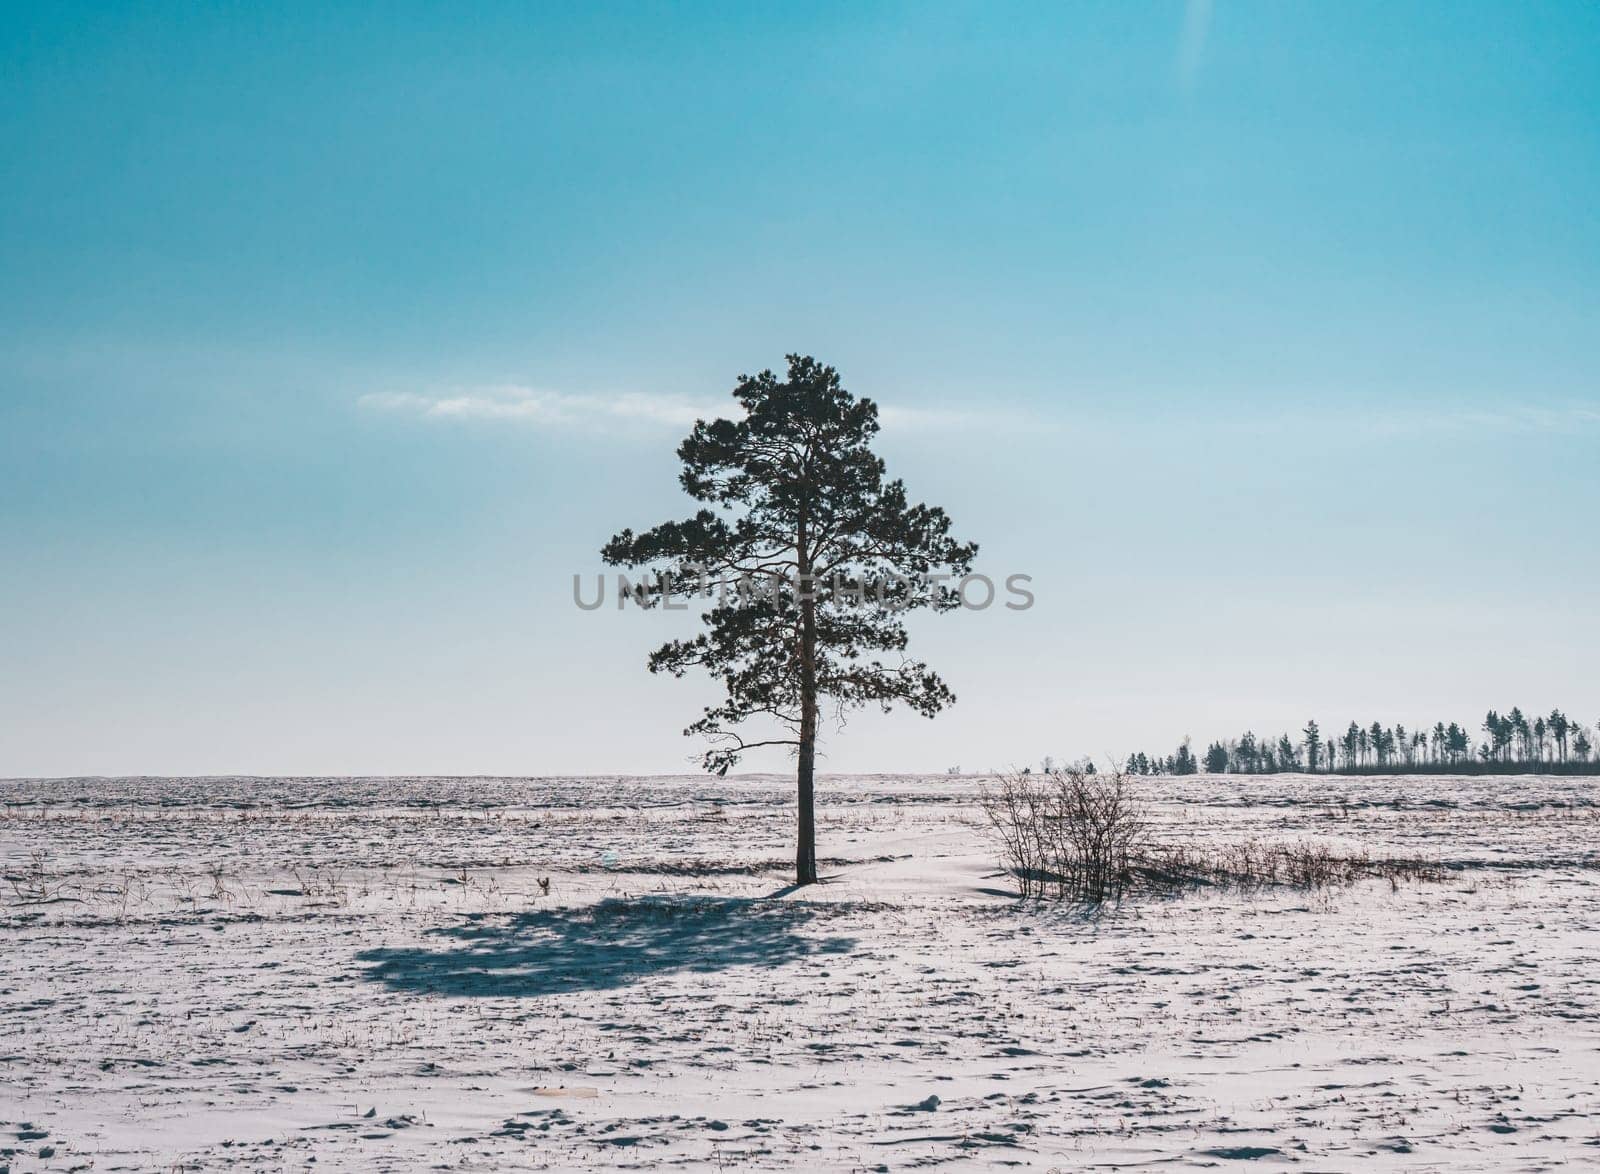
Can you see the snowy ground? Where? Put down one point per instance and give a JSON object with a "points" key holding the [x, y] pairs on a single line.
{"points": [[334, 973]]}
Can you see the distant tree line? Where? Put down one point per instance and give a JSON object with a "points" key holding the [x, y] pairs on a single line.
{"points": [[1510, 743]]}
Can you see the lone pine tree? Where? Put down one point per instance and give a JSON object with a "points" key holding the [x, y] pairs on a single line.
{"points": [[813, 560]]}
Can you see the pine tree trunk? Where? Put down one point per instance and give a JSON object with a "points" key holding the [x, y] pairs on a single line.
{"points": [[805, 853]]}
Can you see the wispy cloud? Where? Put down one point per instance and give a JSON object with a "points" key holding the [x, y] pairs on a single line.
{"points": [[1501, 418], [536, 406], [566, 409], [1192, 43], [938, 419], [1439, 420]]}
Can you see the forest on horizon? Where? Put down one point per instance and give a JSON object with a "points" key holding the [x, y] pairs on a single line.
{"points": [[1510, 743]]}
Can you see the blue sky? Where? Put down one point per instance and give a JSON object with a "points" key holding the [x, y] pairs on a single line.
{"points": [[333, 342]]}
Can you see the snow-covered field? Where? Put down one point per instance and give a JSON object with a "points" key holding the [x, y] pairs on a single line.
{"points": [[368, 973]]}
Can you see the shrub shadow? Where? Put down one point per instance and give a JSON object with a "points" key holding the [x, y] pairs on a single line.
{"points": [[601, 947]]}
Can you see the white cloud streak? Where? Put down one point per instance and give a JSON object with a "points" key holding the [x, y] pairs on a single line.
{"points": [[1437, 420], [555, 409], [534, 406], [1504, 418], [1192, 43]]}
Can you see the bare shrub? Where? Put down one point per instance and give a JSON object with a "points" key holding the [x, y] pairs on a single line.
{"points": [[1079, 835], [1073, 833], [1014, 805]]}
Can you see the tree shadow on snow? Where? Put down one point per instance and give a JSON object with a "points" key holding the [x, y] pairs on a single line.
{"points": [[601, 947]]}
